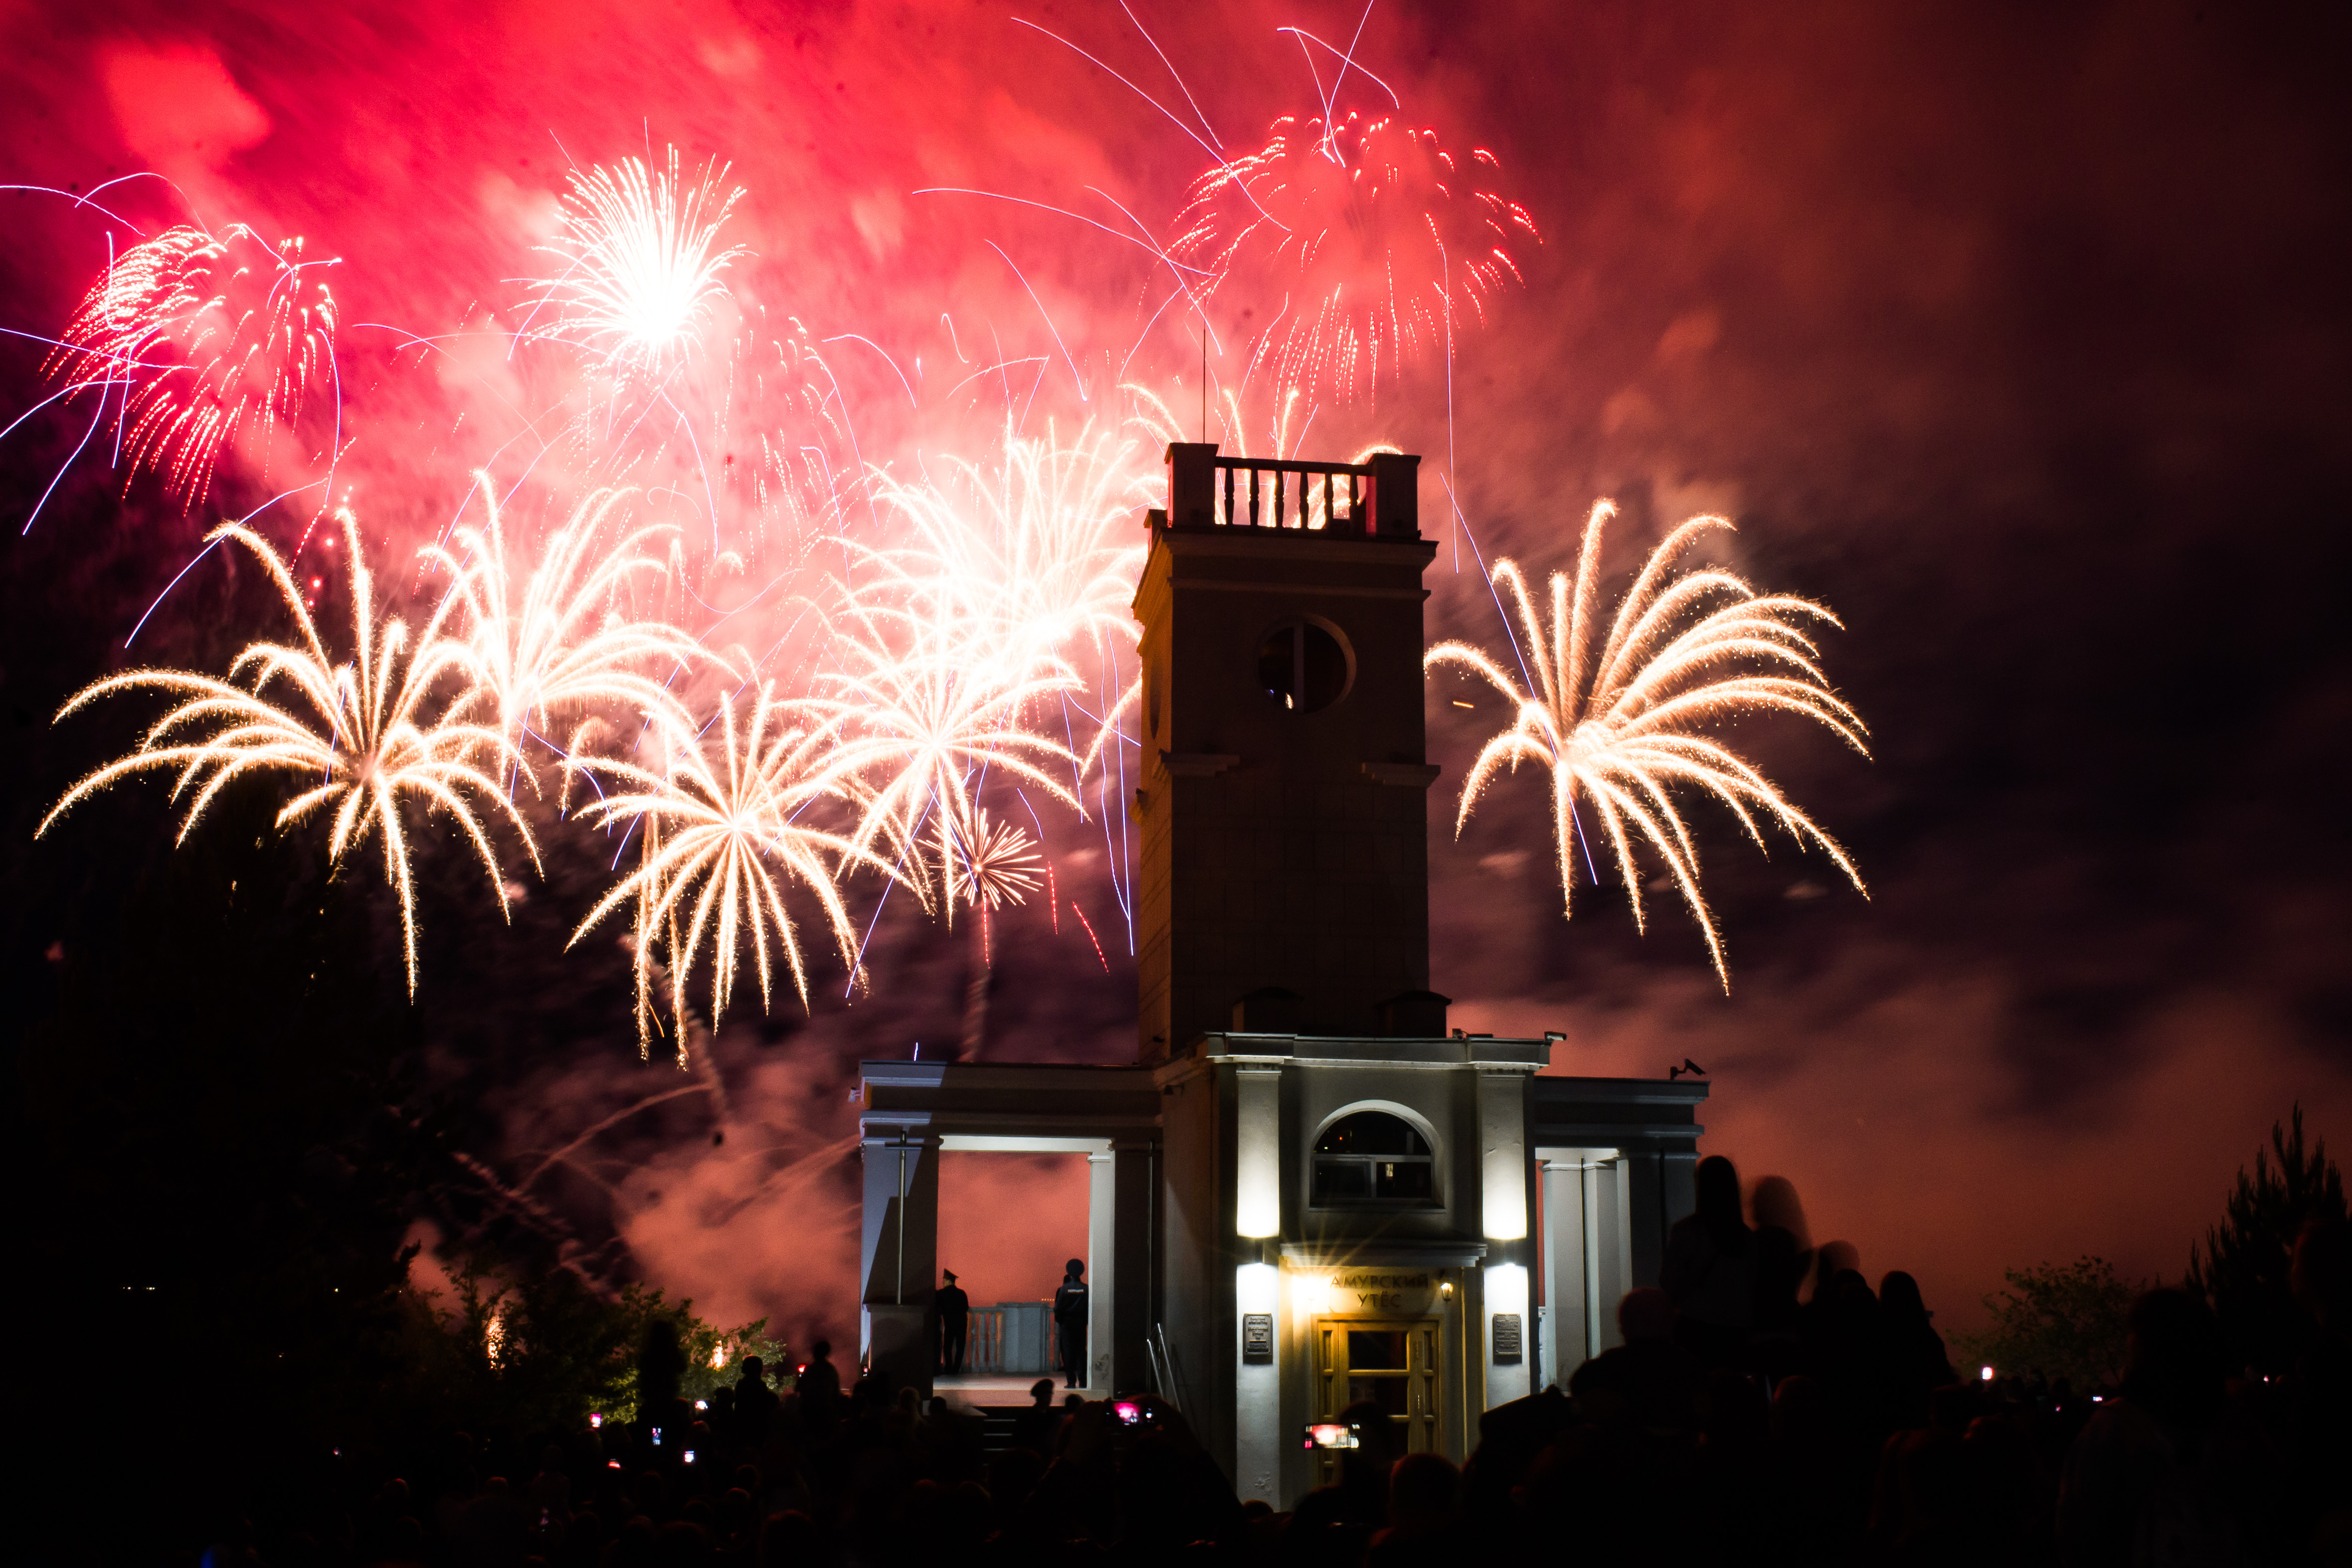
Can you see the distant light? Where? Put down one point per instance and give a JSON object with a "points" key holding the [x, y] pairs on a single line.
{"points": [[595, 1421], [2098, 1399], [690, 1456], [702, 1404], [1986, 1374], [612, 1464], [1459, 702]]}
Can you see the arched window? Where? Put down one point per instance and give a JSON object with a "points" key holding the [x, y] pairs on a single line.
{"points": [[1374, 1158]]}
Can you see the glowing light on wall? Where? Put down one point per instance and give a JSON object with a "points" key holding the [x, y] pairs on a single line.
{"points": [[1311, 1295], [1256, 1287], [1507, 1287], [1257, 1201], [1503, 1156]]}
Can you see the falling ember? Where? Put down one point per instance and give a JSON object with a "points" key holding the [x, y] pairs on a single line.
{"points": [[194, 336], [1616, 720], [1090, 936], [640, 263], [1349, 250]]}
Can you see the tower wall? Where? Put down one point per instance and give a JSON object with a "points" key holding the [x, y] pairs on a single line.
{"points": [[1282, 850]]}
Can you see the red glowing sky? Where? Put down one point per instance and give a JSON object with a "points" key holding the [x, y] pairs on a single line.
{"points": [[2015, 338]]}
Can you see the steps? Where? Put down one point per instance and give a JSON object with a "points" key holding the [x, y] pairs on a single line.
{"points": [[996, 1433]]}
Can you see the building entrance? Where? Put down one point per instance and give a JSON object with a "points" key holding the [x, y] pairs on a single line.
{"points": [[1392, 1362]]}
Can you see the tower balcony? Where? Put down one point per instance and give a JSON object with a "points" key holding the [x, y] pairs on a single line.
{"points": [[1376, 499]]}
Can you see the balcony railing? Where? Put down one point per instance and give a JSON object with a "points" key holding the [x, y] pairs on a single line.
{"points": [[1012, 1337], [1376, 499]]}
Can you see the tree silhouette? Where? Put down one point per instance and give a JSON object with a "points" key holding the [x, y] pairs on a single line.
{"points": [[2243, 1265]]}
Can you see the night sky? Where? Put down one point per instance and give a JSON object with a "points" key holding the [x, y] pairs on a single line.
{"points": [[2017, 335]]}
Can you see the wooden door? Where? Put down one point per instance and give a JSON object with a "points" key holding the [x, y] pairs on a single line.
{"points": [[1391, 1362]]}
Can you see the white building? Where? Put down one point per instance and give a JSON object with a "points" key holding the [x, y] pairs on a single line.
{"points": [[1307, 1192]]}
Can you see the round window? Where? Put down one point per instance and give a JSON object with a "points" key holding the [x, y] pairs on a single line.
{"points": [[1302, 667]]}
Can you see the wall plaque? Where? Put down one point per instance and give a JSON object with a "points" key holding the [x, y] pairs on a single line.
{"points": [[1258, 1339], [1506, 1336]]}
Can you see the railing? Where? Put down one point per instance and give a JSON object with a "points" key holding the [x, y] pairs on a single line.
{"points": [[1011, 1337], [983, 1345], [1377, 499]]}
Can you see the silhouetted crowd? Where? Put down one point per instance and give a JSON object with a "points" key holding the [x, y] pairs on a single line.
{"points": [[1767, 1404]]}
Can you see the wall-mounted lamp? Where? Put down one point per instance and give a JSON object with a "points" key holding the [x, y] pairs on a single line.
{"points": [[1445, 1289]]}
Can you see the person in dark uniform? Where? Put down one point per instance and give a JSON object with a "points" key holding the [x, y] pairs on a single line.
{"points": [[1070, 1320], [955, 1316]]}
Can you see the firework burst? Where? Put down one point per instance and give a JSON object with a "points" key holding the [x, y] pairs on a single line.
{"points": [[358, 733], [640, 263], [926, 699], [995, 863], [1349, 248], [194, 337], [1039, 540], [1618, 726], [723, 837], [557, 641]]}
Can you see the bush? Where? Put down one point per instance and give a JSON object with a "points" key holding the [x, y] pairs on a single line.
{"points": [[541, 1354], [2059, 1322]]}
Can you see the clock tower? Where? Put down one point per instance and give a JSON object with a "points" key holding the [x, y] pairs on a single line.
{"points": [[1285, 884]]}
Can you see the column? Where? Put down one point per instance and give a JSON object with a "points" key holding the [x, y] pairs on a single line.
{"points": [[1132, 1261], [1564, 1251], [898, 1249], [1646, 1179], [1102, 1284], [1258, 1446], [1609, 1249], [1502, 1326]]}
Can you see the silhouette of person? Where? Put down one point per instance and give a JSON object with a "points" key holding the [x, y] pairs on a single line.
{"points": [[2164, 1461], [1784, 1257], [1070, 1318], [755, 1403], [660, 1365], [1911, 1362], [955, 1317], [1033, 1428], [1709, 1268], [819, 1387]]}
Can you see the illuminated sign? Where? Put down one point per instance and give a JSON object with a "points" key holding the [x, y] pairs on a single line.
{"points": [[1366, 1291]]}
